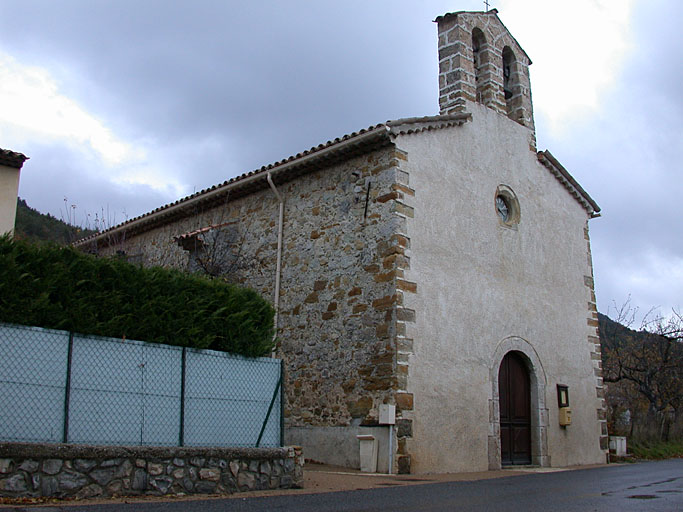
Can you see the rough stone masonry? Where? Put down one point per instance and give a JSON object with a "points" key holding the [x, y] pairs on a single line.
{"points": [[80, 471]]}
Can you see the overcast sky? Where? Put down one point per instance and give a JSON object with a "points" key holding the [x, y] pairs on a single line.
{"points": [[123, 106]]}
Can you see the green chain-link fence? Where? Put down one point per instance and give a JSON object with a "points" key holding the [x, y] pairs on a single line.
{"points": [[57, 386]]}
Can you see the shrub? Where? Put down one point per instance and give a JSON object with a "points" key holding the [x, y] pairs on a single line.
{"points": [[61, 288]]}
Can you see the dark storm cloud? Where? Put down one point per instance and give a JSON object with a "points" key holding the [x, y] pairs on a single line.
{"points": [[213, 89], [73, 187], [290, 74]]}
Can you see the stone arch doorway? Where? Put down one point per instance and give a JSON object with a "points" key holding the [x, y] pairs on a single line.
{"points": [[538, 413], [514, 401]]}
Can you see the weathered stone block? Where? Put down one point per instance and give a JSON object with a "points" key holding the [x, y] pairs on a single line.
{"points": [[211, 474], [404, 428], [404, 465], [406, 286], [355, 291], [49, 486], [359, 408], [404, 401], [103, 476], [197, 461], [52, 466], [114, 487], [70, 480], [84, 465], [161, 484], [139, 482], [125, 469], [5, 466], [154, 468], [246, 480], [15, 483], [385, 302], [89, 491]]}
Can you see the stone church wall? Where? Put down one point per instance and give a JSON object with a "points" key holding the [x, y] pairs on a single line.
{"points": [[341, 288]]}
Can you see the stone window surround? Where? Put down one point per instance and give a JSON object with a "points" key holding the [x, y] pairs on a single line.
{"points": [[515, 213]]}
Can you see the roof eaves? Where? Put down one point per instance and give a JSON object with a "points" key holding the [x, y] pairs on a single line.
{"points": [[563, 176], [412, 125], [12, 158], [336, 149]]}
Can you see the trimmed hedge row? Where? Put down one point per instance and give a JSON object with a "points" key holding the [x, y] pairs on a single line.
{"points": [[62, 288]]}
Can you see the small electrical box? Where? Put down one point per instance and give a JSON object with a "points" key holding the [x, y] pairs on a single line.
{"points": [[565, 416], [387, 414]]}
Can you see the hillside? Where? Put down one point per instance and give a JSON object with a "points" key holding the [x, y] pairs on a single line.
{"points": [[34, 226]]}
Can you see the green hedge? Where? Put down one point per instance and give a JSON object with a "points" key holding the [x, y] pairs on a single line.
{"points": [[62, 288]]}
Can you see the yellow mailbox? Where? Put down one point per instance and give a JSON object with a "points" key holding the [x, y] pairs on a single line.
{"points": [[563, 404]]}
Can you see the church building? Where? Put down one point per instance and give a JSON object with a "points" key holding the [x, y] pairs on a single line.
{"points": [[431, 277]]}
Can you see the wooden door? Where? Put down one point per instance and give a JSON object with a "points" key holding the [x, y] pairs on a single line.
{"points": [[515, 410]]}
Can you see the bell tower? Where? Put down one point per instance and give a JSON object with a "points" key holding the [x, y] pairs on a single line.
{"points": [[480, 61]]}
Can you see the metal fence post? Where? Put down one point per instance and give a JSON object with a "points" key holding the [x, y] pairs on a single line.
{"points": [[67, 388], [183, 365], [282, 402], [270, 408]]}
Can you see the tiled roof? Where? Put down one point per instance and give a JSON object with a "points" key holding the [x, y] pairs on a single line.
{"points": [[333, 150], [563, 176], [12, 158]]}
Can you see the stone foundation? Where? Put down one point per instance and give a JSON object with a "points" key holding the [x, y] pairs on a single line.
{"points": [[80, 471]]}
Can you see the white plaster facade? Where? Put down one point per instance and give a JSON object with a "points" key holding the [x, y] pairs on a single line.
{"points": [[484, 288], [10, 168]]}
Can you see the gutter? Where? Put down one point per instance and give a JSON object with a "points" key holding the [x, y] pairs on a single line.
{"points": [[276, 300]]}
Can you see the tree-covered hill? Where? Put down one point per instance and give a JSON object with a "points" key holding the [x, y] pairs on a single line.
{"points": [[34, 226]]}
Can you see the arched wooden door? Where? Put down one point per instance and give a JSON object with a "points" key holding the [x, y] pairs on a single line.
{"points": [[515, 410]]}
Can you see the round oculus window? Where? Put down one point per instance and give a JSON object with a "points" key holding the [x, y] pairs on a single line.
{"points": [[502, 208], [507, 206]]}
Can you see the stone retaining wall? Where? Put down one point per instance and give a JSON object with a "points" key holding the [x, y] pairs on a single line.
{"points": [[79, 471]]}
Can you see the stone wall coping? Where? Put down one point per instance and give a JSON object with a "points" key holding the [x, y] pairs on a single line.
{"points": [[80, 451]]}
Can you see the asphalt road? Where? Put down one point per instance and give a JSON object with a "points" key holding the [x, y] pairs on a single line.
{"points": [[648, 486]]}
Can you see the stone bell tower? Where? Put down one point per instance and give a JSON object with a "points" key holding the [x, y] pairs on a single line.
{"points": [[480, 61]]}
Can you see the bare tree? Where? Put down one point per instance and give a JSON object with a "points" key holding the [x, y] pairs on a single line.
{"points": [[644, 366]]}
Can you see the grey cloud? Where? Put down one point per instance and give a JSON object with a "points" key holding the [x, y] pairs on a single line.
{"points": [[220, 88]]}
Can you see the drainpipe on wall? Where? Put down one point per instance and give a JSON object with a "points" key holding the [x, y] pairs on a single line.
{"points": [[276, 301]]}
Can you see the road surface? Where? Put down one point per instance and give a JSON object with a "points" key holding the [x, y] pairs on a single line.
{"points": [[647, 486]]}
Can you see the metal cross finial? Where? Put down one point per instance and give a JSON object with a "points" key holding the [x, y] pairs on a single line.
{"points": [[486, 3]]}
